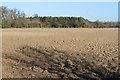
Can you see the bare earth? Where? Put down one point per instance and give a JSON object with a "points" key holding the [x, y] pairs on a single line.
{"points": [[60, 53]]}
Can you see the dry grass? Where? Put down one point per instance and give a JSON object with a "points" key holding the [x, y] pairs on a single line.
{"points": [[60, 53]]}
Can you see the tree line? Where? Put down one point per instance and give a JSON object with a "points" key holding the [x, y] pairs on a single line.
{"points": [[14, 18]]}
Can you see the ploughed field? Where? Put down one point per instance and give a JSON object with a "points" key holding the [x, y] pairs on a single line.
{"points": [[60, 53]]}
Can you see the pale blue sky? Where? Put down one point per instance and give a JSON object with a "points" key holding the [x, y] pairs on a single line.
{"points": [[102, 11]]}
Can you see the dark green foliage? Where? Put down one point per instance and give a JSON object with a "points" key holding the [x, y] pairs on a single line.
{"points": [[13, 18], [58, 22]]}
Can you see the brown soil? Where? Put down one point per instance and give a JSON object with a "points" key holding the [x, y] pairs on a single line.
{"points": [[60, 53]]}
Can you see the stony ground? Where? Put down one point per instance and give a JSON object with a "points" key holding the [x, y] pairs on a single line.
{"points": [[60, 53]]}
